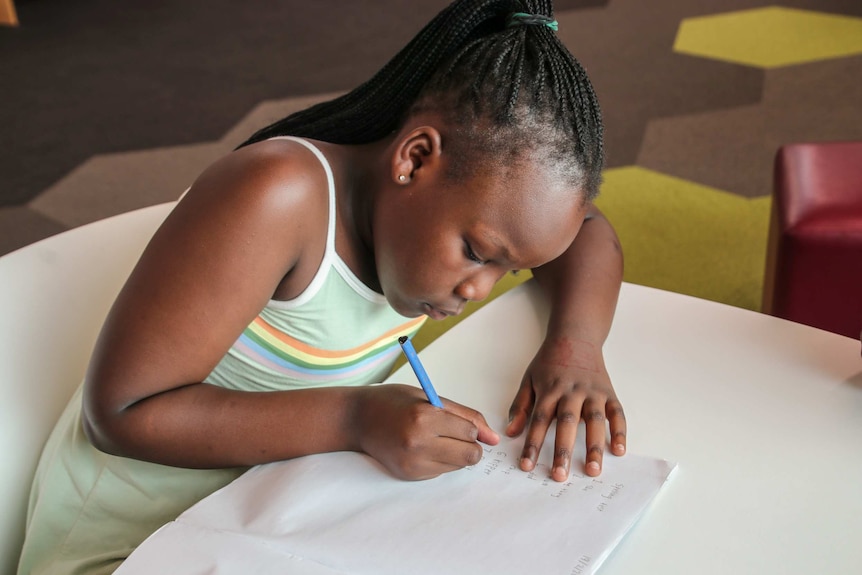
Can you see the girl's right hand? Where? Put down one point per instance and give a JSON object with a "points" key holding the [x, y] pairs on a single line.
{"points": [[397, 426]]}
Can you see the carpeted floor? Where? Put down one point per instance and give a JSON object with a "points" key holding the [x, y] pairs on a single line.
{"points": [[109, 106]]}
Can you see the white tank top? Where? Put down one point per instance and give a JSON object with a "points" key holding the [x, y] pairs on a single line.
{"points": [[336, 332]]}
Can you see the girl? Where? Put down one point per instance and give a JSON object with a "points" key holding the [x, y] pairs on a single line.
{"points": [[293, 265]]}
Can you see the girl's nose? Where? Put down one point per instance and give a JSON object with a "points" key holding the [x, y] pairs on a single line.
{"points": [[478, 286]]}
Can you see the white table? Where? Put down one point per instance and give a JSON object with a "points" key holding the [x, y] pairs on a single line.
{"points": [[764, 417]]}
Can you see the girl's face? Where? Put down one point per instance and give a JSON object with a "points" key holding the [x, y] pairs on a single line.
{"points": [[439, 244]]}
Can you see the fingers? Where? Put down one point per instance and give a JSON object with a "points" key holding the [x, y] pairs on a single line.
{"points": [[596, 412], [617, 421], [421, 470], [480, 430], [594, 418], [540, 420], [522, 406], [568, 418], [438, 456], [449, 444], [453, 454], [429, 442], [413, 439]]}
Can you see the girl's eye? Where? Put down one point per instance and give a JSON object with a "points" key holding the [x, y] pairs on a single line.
{"points": [[471, 255]]}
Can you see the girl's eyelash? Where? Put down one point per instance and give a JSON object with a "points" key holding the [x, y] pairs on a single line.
{"points": [[471, 254]]}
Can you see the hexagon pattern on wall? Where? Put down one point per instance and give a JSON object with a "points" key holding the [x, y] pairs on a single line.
{"points": [[672, 120], [770, 37], [689, 238]]}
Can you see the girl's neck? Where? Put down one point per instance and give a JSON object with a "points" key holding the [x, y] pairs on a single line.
{"points": [[359, 172]]}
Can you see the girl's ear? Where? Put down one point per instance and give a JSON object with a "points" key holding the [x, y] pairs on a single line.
{"points": [[417, 155]]}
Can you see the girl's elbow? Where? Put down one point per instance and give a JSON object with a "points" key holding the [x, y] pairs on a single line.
{"points": [[95, 435], [102, 425], [99, 435]]}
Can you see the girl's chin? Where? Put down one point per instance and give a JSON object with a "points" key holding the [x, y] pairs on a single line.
{"points": [[409, 310]]}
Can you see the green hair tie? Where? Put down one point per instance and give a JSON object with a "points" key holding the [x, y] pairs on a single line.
{"points": [[524, 19]]}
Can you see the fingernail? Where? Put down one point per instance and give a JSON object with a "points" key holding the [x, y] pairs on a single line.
{"points": [[560, 471], [529, 458], [593, 467], [620, 447]]}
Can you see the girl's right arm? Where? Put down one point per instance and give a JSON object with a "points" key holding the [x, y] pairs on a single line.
{"points": [[250, 224]]}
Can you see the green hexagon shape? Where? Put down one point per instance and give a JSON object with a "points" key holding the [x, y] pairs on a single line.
{"points": [[686, 237], [770, 37]]}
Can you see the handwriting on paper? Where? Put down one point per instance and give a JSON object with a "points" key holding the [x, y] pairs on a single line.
{"points": [[498, 462], [582, 566]]}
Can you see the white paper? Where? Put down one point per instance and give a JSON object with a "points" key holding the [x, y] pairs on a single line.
{"points": [[188, 549], [342, 512]]}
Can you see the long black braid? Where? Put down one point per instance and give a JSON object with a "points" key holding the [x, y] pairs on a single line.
{"points": [[508, 84]]}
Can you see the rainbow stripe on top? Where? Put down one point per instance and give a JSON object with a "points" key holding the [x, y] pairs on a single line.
{"points": [[264, 344]]}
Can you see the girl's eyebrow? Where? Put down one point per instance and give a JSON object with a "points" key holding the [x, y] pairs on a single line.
{"points": [[498, 246]]}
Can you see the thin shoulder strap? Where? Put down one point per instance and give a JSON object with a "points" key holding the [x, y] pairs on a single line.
{"points": [[329, 254], [330, 183]]}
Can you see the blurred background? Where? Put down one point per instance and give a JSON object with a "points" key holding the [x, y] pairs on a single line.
{"points": [[109, 106]]}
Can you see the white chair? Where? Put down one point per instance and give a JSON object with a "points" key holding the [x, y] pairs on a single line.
{"points": [[54, 296]]}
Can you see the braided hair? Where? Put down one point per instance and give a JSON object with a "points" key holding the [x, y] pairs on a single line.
{"points": [[497, 71]]}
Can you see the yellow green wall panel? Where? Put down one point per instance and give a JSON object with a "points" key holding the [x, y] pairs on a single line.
{"points": [[770, 37]]}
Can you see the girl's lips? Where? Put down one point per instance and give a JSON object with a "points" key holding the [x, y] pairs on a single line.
{"points": [[434, 313]]}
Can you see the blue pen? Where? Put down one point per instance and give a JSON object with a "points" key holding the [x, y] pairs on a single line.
{"points": [[419, 370]]}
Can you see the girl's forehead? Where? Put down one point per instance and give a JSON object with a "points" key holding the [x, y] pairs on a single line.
{"points": [[531, 218], [524, 186]]}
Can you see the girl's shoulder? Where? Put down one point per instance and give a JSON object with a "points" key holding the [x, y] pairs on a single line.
{"points": [[278, 186], [273, 170], [266, 203]]}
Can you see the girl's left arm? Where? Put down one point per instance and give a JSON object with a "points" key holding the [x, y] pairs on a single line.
{"points": [[567, 380]]}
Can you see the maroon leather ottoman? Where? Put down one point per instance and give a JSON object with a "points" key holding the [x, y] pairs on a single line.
{"points": [[814, 258]]}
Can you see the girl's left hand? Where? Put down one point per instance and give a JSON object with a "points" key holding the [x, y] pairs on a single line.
{"points": [[567, 380]]}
